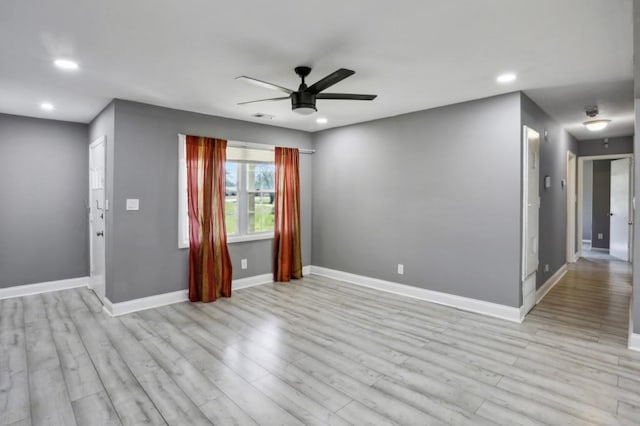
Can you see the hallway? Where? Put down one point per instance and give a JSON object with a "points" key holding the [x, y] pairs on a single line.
{"points": [[590, 303]]}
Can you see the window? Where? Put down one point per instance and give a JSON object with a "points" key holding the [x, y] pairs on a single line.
{"points": [[249, 206]]}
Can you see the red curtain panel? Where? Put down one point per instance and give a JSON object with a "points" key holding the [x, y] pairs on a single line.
{"points": [[209, 260], [287, 252]]}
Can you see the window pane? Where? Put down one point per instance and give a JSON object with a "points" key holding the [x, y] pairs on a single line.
{"points": [[260, 177], [261, 210], [231, 198], [231, 177]]}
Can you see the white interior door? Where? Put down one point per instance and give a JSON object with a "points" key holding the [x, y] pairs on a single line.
{"points": [[97, 213], [531, 207], [619, 225]]}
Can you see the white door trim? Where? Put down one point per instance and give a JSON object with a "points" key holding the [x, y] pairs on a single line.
{"points": [[529, 278], [581, 161], [100, 140], [572, 200]]}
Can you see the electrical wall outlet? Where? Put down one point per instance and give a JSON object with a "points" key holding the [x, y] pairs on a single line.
{"points": [[600, 236], [400, 268], [243, 263], [546, 267]]}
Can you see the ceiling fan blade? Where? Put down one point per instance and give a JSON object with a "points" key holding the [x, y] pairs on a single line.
{"points": [[264, 100], [330, 80], [264, 84], [346, 96]]}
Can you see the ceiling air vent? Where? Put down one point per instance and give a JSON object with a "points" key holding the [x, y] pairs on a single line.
{"points": [[263, 115]]}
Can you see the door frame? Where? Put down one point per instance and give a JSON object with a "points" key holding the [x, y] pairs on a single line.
{"points": [[528, 281], [581, 161], [572, 253], [100, 140]]}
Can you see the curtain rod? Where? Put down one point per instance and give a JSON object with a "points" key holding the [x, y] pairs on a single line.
{"points": [[265, 147], [261, 146]]}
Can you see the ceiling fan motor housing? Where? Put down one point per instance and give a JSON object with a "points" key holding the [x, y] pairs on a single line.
{"points": [[303, 100]]}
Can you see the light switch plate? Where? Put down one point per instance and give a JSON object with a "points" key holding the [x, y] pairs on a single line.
{"points": [[133, 204]]}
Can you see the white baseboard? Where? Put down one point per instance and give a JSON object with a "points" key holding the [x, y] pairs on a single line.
{"points": [[261, 279], [45, 287], [550, 283], [251, 281], [135, 305], [464, 303], [633, 340], [129, 306]]}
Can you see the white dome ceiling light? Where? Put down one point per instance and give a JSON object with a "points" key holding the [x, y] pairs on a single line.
{"points": [[66, 64]]}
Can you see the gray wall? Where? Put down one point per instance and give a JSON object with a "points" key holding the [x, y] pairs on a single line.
{"points": [[601, 203], [43, 188], [622, 145], [587, 199], [146, 259], [553, 201], [436, 190]]}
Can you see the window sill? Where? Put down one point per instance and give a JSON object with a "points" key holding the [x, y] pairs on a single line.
{"points": [[239, 239], [253, 237]]}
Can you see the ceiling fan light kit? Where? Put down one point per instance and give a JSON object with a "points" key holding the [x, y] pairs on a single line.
{"points": [[303, 100], [595, 125]]}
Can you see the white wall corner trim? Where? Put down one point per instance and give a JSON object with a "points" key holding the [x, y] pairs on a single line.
{"points": [[464, 303], [45, 287], [107, 306], [150, 302], [550, 283], [634, 342]]}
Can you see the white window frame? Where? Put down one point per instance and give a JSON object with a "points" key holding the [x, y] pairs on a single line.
{"points": [[183, 214], [243, 209]]}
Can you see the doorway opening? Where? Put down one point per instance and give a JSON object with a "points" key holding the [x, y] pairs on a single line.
{"points": [[605, 207]]}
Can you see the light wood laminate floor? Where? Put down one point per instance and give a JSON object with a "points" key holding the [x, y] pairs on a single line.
{"points": [[323, 352]]}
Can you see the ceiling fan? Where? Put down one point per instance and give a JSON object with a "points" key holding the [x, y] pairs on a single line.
{"points": [[303, 100]]}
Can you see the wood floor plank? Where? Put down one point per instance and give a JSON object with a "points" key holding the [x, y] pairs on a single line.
{"points": [[382, 403], [129, 399], [79, 373], [14, 377], [95, 409], [251, 400], [50, 403]]}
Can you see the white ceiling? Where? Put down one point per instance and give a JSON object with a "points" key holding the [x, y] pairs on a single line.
{"points": [[414, 54]]}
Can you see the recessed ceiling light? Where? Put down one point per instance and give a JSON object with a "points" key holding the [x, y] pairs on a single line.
{"points": [[322, 120], [66, 64], [47, 106], [507, 77]]}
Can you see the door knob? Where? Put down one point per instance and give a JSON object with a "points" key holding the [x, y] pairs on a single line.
{"points": [[100, 234], [610, 214]]}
